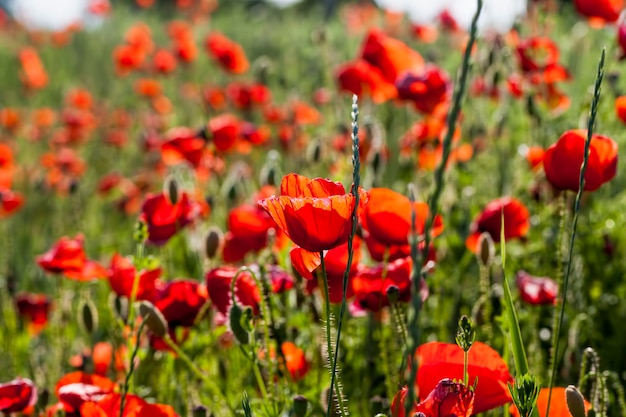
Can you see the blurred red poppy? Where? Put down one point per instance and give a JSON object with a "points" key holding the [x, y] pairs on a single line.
{"points": [[218, 282], [558, 404], [620, 108], [248, 227], [516, 221], [391, 56], [621, 38], [75, 388], [603, 11], [180, 301], [68, 257], [425, 89], [10, 202], [165, 219], [164, 61], [228, 54], [134, 406], [387, 217], [121, 276], [371, 287], [34, 309], [438, 360], [534, 155], [536, 290], [245, 96], [223, 131], [33, 74], [17, 396], [183, 144], [295, 360], [364, 79], [563, 160]]}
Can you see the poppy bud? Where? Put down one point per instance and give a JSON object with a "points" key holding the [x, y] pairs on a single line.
{"points": [[171, 190], [119, 305], [466, 334], [199, 411], [88, 316], [213, 242], [239, 320], [314, 151], [378, 404], [525, 392], [575, 402], [300, 405], [270, 173], [140, 234], [153, 318], [487, 249], [531, 109], [393, 292]]}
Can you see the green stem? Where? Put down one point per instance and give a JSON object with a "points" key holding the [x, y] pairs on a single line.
{"points": [[581, 183], [131, 368], [433, 203]]}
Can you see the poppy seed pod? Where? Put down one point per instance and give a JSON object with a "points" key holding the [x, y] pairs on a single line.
{"points": [[153, 318], [171, 190], [487, 249], [213, 242]]}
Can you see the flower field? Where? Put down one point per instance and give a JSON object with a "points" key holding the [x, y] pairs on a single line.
{"points": [[236, 209]]}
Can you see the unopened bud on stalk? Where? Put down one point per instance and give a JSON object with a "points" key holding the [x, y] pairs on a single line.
{"points": [[213, 242], [487, 249], [300, 406], [314, 151], [171, 190], [393, 293], [524, 392], [153, 318], [575, 402], [199, 411], [466, 335], [240, 322], [88, 316], [140, 234]]}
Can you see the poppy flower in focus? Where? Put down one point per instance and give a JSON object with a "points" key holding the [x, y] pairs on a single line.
{"points": [[315, 214], [228, 54], [218, 282], [134, 406], [68, 257], [536, 290], [387, 217], [558, 404], [122, 274], [165, 219], [600, 11], [426, 89], [17, 396], [75, 388], [563, 160], [34, 309], [449, 398], [438, 360], [516, 221], [180, 301], [295, 360]]}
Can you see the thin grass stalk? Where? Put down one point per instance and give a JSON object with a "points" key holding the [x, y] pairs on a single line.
{"points": [[131, 368], [433, 203], [356, 181], [581, 183]]}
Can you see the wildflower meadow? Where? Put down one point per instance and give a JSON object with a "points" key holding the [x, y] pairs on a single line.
{"points": [[334, 208]]}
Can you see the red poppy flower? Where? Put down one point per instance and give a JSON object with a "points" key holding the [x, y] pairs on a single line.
{"points": [[439, 360], [601, 10], [227, 53], [79, 98], [180, 301], [34, 309], [391, 56], [562, 161], [516, 221], [17, 396], [558, 404], [247, 96], [248, 226], [68, 257], [315, 214], [164, 61], [370, 289], [534, 155], [295, 360], [536, 290], [364, 79], [224, 131], [121, 276], [449, 398], [134, 406], [75, 388], [335, 262], [537, 54], [33, 74], [10, 202], [218, 282], [620, 107], [164, 219], [426, 88], [621, 38], [183, 144], [387, 217], [127, 59]]}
